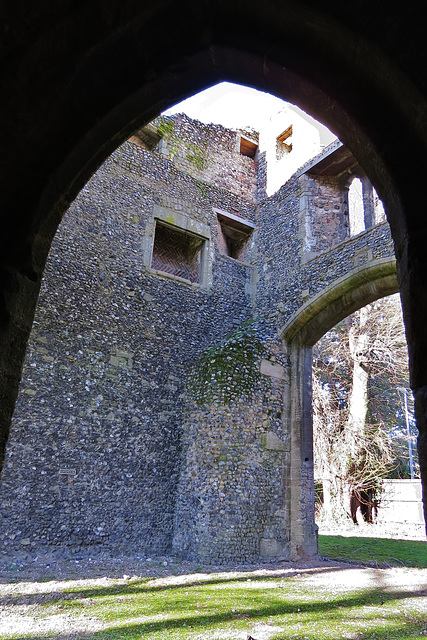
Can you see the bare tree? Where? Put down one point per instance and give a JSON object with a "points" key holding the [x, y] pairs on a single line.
{"points": [[358, 370]]}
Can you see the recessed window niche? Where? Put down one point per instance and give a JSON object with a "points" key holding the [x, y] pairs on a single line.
{"points": [[177, 252], [233, 235], [178, 246], [248, 148], [283, 143]]}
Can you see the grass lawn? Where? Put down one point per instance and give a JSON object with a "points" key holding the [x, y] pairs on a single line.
{"points": [[379, 551], [321, 602]]}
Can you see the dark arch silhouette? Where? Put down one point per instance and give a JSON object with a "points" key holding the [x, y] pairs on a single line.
{"points": [[78, 78]]}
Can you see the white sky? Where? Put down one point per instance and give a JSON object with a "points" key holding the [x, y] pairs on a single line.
{"points": [[231, 105], [235, 107]]}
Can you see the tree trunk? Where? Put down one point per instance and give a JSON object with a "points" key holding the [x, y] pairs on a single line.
{"points": [[358, 401], [327, 498]]}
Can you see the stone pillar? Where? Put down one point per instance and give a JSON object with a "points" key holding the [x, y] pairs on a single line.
{"points": [[305, 233], [229, 503], [303, 530]]}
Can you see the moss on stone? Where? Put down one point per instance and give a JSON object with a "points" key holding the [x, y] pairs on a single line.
{"points": [[230, 369], [202, 186], [194, 153]]}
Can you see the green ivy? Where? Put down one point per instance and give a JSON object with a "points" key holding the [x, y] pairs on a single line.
{"points": [[229, 369], [165, 127], [195, 155], [202, 186]]}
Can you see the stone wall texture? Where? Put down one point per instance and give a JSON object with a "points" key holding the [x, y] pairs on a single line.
{"points": [[150, 415]]}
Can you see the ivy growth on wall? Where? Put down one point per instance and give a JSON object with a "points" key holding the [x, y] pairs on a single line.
{"points": [[194, 153], [229, 369]]}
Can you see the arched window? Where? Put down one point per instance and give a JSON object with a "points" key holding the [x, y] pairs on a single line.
{"points": [[355, 207]]}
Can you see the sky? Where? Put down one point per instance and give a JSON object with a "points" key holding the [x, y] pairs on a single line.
{"points": [[235, 107], [231, 105]]}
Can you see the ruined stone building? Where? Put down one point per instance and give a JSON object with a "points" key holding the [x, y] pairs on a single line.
{"points": [[165, 400]]}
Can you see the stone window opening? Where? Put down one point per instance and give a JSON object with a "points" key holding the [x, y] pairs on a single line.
{"points": [[233, 236], [248, 148], [147, 137], [177, 252], [380, 216], [365, 209], [283, 144], [356, 213]]}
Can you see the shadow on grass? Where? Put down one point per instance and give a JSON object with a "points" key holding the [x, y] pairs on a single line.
{"points": [[140, 586], [155, 573], [328, 612], [178, 597]]}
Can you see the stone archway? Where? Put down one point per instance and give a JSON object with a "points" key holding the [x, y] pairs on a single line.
{"points": [[361, 286], [77, 83], [301, 332], [177, 411]]}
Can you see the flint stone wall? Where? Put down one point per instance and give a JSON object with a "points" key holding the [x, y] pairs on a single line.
{"points": [[211, 154], [287, 273], [231, 503], [151, 415], [95, 451]]}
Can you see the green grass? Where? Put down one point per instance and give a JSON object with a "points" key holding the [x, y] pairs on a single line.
{"points": [[319, 603], [378, 551], [232, 608]]}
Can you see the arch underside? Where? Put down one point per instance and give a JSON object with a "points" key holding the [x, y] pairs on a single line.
{"points": [[151, 68], [340, 299]]}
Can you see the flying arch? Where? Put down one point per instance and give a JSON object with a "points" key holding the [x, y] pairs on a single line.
{"points": [[341, 298]]}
